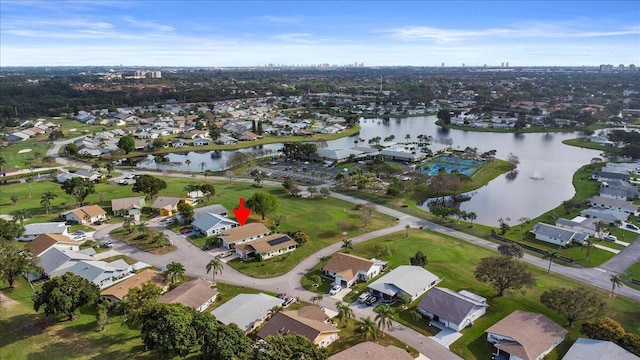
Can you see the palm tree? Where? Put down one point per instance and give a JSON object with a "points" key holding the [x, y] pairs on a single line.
{"points": [[615, 282], [589, 247], [203, 165], [368, 326], [29, 181], [109, 167], [161, 238], [316, 298], [127, 223], [45, 200], [215, 266], [347, 245], [3, 162], [407, 137], [384, 317], [344, 311], [142, 228], [188, 162], [552, 256], [21, 215], [415, 315], [406, 234], [174, 271]]}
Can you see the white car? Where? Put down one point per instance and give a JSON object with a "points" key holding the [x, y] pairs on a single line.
{"points": [[335, 289]]}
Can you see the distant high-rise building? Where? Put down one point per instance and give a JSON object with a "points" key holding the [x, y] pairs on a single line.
{"points": [[632, 68], [442, 65], [462, 64], [606, 68], [502, 65], [507, 64], [621, 68]]}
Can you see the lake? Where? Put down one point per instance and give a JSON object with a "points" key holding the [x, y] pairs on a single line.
{"points": [[542, 156]]}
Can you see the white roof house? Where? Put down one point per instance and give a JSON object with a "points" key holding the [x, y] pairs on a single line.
{"points": [[405, 279], [456, 310], [558, 235], [210, 224], [591, 349], [247, 311], [32, 231]]}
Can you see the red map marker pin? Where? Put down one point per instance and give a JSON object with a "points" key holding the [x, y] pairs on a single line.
{"points": [[241, 212]]}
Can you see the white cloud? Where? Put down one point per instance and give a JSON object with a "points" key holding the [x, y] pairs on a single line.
{"points": [[281, 19], [146, 24]]}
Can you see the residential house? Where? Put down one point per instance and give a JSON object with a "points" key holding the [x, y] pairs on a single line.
{"points": [[131, 206], [178, 143], [266, 247], [608, 176], [17, 136], [217, 209], [88, 174], [347, 269], [309, 321], [248, 311], [405, 279], [369, 350], [592, 349], [456, 310], [32, 231], [43, 242], [85, 215], [196, 294], [558, 235], [243, 234], [619, 189], [610, 217], [166, 205], [248, 136], [578, 224], [614, 204], [226, 140], [201, 142], [211, 224], [525, 335], [117, 292]]}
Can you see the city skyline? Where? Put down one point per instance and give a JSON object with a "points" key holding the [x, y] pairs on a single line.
{"points": [[245, 33]]}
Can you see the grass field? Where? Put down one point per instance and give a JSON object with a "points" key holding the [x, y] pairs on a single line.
{"points": [[143, 242], [455, 260]]}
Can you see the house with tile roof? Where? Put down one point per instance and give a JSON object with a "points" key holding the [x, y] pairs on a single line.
{"points": [[196, 294], [45, 241], [247, 311], [525, 335], [309, 321], [166, 205], [456, 310], [368, 349], [118, 291], [347, 269], [243, 234], [405, 279], [85, 214], [266, 247]]}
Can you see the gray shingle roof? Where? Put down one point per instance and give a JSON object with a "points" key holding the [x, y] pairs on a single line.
{"points": [[214, 209], [407, 278], [590, 349], [45, 228], [448, 304], [54, 260], [210, 221], [245, 309], [564, 235]]}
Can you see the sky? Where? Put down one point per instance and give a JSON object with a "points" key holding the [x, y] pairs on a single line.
{"points": [[375, 33]]}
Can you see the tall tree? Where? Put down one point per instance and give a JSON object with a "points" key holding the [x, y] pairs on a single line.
{"points": [[127, 143], [63, 295], [174, 272], [10, 229], [287, 347], [444, 115], [368, 327], [3, 162], [149, 185], [574, 304], [79, 188], [347, 245], [616, 282], [504, 273], [227, 342], [344, 312], [45, 200], [15, 261], [208, 190], [603, 328], [138, 300], [215, 266], [263, 203], [186, 212], [419, 259], [167, 329], [384, 316], [511, 250], [552, 256]]}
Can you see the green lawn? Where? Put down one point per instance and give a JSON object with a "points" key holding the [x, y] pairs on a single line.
{"points": [[38, 147], [455, 260], [140, 241], [584, 143], [351, 335]]}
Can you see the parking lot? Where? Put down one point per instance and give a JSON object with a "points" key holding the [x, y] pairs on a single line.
{"points": [[300, 171]]}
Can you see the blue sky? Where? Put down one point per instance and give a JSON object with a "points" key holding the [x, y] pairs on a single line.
{"points": [[376, 33]]}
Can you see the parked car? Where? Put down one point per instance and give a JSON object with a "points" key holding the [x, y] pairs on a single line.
{"points": [[286, 176], [98, 222], [364, 297], [611, 238], [335, 289], [632, 227], [371, 300], [186, 231], [288, 301], [281, 296], [77, 233], [79, 237], [170, 221], [107, 244]]}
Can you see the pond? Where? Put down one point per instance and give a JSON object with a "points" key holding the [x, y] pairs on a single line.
{"points": [[542, 182]]}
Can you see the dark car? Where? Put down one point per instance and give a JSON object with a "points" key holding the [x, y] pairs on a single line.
{"points": [[281, 296], [372, 300], [632, 227], [98, 222]]}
